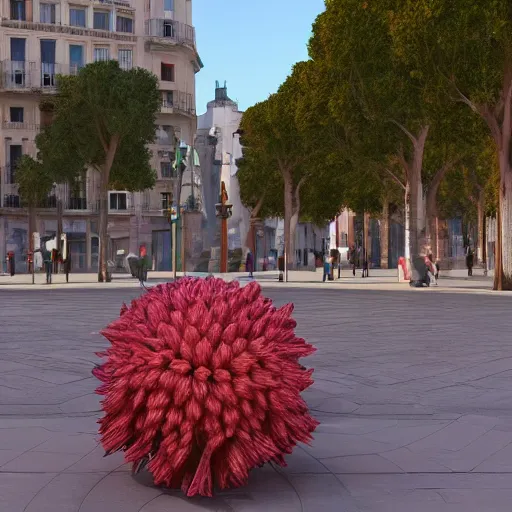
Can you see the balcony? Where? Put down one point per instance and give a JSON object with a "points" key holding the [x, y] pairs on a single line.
{"points": [[66, 29], [180, 103], [164, 32], [25, 75], [124, 4], [155, 203], [7, 125], [11, 201]]}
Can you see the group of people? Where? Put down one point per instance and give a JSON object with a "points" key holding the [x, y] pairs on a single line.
{"points": [[52, 259], [333, 260]]}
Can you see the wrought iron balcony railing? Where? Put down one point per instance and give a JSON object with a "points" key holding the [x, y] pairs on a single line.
{"points": [[67, 29], [170, 31], [180, 102], [19, 75]]}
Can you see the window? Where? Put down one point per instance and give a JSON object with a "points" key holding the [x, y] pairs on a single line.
{"points": [[124, 25], [166, 170], [167, 72], [17, 49], [169, 99], [125, 58], [47, 13], [17, 72], [101, 54], [76, 58], [166, 200], [101, 20], [77, 17], [118, 201], [48, 71], [17, 114], [168, 5], [15, 152], [169, 29], [18, 10]]}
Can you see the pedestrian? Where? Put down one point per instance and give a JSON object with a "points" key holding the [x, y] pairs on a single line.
{"points": [[430, 271], [352, 258], [48, 265], [469, 260], [249, 263], [67, 266], [435, 265], [365, 264], [11, 263], [327, 268]]}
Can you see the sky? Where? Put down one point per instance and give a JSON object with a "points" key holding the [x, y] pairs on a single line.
{"points": [[250, 44]]}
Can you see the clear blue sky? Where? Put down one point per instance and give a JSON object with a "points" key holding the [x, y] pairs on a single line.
{"points": [[250, 44]]}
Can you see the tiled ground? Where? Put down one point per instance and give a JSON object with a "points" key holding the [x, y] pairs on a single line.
{"points": [[413, 390]]}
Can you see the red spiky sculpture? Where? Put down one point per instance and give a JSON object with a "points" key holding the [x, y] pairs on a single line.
{"points": [[202, 378]]}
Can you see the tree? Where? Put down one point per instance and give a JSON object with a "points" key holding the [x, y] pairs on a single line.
{"points": [[376, 100], [104, 118], [468, 46], [34, 185], [261, 190], [270, 135]]}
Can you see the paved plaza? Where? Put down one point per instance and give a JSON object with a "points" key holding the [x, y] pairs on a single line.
{"points": [[413, 389]]}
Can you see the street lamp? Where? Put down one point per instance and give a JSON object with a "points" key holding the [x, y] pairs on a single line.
{"points": [[223, 211], [171, 215]]}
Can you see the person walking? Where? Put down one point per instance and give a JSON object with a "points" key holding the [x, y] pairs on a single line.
{"points": [[67, 266], [352, 258], [11, 262], [469, 260], [365, 264], [327, 268], [48, 264], [249, 263]]}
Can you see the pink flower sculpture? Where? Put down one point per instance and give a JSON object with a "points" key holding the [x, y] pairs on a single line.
{"points": [[202, 378]]}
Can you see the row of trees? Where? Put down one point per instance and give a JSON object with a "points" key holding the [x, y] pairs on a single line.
{"points": [[400, 102], [102, 120]]}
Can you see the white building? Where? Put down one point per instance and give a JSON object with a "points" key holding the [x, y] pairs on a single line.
{"points": [[41, 39], [218, 146]]}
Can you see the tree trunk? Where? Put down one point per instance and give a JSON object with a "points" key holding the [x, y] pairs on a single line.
{"points": [[481, 225], [384, 236], [103, 274], [288, 212], [506, 228], [431, 207], [407, 222], [250, 238], [416, 192], [31, 230], [293, 232], [498, 266], [103, 229]]}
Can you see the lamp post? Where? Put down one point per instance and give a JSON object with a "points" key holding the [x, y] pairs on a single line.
{"points": [[181, 167], [223, 211], [172, 216]]}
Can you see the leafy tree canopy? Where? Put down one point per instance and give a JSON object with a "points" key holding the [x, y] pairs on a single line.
{"points": [[104, 104], [34, 181]]}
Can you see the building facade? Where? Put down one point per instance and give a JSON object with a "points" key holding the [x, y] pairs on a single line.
{"points": [[42, 39]]}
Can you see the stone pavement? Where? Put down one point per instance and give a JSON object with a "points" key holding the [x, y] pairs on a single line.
{"points": [[413, 390], [454, 280]]}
